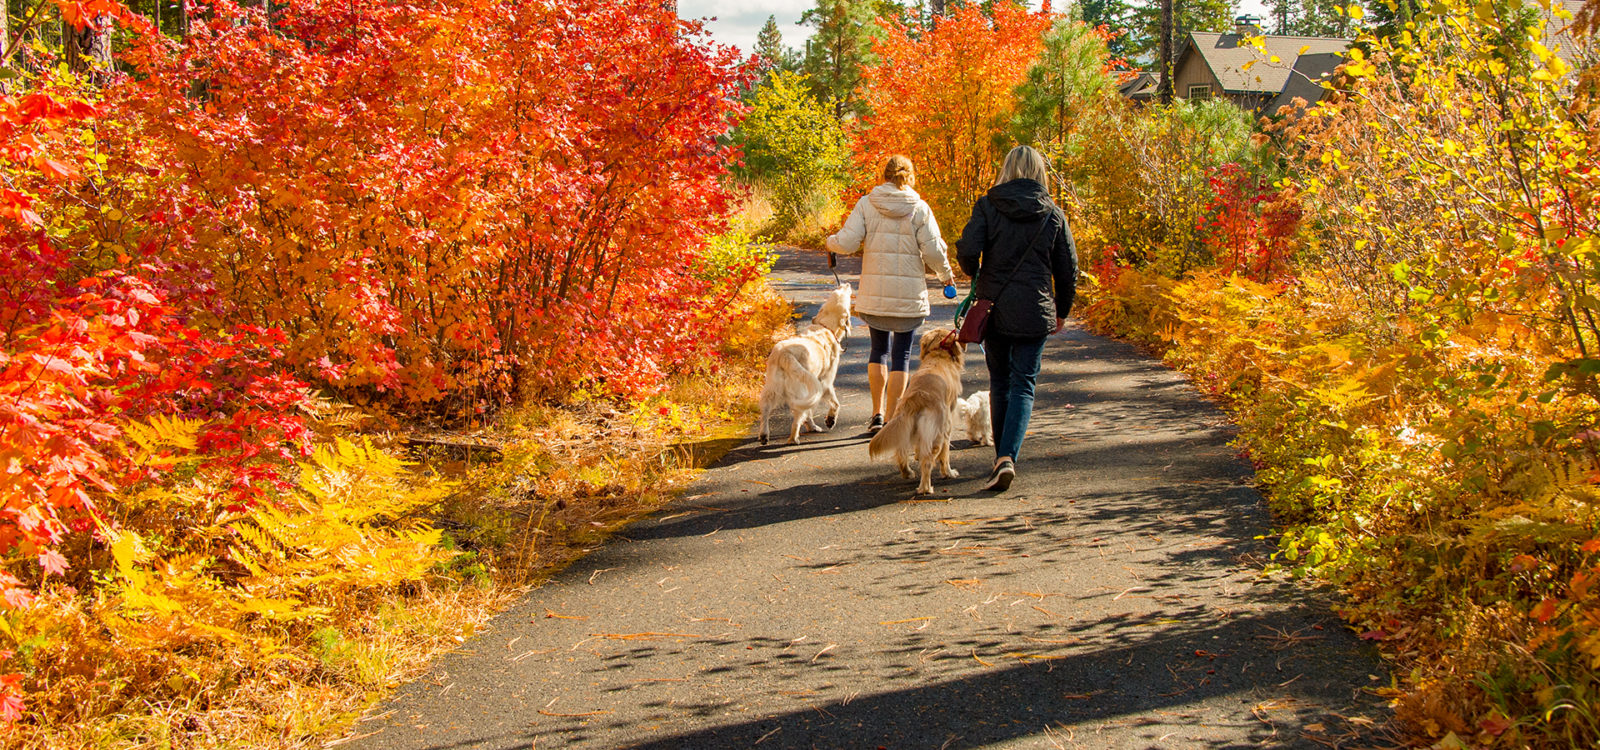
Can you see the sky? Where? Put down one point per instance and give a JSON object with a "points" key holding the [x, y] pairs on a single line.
{"points": [[738, 21]]}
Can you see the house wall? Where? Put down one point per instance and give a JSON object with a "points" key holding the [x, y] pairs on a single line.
{"points": [[1193, 71]]}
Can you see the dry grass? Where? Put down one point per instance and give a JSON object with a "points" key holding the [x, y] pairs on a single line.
{"points": [[756, 216]]}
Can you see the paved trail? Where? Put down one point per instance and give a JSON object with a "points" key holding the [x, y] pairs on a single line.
{"points": [[797, 597]]}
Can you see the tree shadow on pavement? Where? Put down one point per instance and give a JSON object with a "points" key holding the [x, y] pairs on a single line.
{"points": [[1143, 676]]}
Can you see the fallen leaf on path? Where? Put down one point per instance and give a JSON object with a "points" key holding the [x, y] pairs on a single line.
{"points": [[1034, 657], [1035, 594], [1129, 591], [715, 619], [911, 619], [550, 614], [642, 636], [587, 713]]}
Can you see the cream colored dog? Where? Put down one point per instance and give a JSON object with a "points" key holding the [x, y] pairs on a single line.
{"points": [[801, 369], [973, 411], [925, 417]]}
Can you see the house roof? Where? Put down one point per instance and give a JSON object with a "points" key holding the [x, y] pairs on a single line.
{"points": [[1558, 33], [1305, 80], [1313, 68], [1138, 84], [1241, 68]]}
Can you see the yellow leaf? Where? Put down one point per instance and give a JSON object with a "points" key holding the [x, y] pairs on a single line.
{"points": [[1355, 12], [126, 551]]}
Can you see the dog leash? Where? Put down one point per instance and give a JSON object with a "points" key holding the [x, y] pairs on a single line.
{"points": [[833, 265]]}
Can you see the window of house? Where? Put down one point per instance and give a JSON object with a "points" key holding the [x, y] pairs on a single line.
{"points": [[1200, 91]]}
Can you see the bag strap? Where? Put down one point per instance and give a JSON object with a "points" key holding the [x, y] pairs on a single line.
{"points": [[1026, 251]]}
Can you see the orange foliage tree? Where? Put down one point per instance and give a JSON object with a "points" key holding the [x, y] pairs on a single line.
{"points": [[427, 202], [944, 95], [467, 201]]}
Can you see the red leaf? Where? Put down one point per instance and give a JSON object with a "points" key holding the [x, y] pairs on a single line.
{"points": [[1495, 725], [1545, 610]]}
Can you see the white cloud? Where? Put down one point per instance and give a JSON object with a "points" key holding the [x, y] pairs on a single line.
{"points": [[738, 23]]}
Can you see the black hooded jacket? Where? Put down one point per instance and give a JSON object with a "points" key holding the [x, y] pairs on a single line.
{"points": [[1042, 276]]}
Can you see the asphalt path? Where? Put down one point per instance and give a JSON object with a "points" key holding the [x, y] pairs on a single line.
{"points": [[801, 597]]}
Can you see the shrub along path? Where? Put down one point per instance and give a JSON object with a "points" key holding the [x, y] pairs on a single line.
{"points": [[799, 597]]}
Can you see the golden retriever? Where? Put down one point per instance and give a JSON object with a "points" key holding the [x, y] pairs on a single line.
{"points": [[801, 369], [925, 417], [973, 411]]}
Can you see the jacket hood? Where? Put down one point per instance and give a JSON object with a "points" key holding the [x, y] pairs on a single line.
{"points": [[894, 202], [1021, 200]]}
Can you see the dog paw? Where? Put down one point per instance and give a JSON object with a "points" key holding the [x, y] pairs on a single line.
{"points": [[928, 490], [762, 439], [831, 420], [951, 474]]}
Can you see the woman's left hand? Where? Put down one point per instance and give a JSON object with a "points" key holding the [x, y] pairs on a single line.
{"points": [[1061, 323]]}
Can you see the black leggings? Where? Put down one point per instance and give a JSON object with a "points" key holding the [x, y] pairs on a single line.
{"points": [[892, 350]]}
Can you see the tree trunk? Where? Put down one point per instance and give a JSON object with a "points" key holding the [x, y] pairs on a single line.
{"points": [[937, 8], [89, 48], [183, 19], [5, 47], [1164, 91]]}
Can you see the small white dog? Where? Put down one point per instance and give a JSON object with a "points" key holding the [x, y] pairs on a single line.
{"points": [[973, 411], [801, 369]]}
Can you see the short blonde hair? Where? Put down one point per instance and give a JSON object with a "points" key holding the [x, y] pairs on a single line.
{"points": [[1024, 163], [898, 171]]}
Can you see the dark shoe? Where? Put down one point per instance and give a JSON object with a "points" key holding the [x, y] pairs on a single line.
{"points": [[876, 424], [1000, 478]]}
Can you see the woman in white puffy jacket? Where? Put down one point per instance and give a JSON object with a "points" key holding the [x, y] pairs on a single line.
{"points": [[894, 230]]}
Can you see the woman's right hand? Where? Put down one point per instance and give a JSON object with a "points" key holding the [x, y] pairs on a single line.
{"points": [[1061, 323]]}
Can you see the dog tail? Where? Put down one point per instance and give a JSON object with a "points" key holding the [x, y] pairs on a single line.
{"points": [[800, 389], [894, 438], [918, 422]]}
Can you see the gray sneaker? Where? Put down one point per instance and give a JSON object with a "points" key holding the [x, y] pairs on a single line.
{"points": [[1000, 478]]}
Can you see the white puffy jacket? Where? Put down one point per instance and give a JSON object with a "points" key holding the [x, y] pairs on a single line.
{"points": [[899, 240]]}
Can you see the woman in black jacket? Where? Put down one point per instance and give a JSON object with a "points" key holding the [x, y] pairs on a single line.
{"points": [[1020, 253]]}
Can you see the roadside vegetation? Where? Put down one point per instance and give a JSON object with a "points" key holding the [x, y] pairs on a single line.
{"points": [[1393, 292], [321, 341]]}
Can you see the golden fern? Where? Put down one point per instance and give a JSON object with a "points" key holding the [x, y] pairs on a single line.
{"points": [[162, 442]]}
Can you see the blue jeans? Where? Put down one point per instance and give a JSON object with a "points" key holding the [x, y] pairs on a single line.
{"points": [[1013, 368]]}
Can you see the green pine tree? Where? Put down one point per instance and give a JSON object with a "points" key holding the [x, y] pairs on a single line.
{"points": [[839, 50], [771, 51], [1144, 32]]}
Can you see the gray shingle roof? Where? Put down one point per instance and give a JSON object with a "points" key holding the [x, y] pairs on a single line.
{"points": [[1138, 84], [1243, 68], [1306, 80]]}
